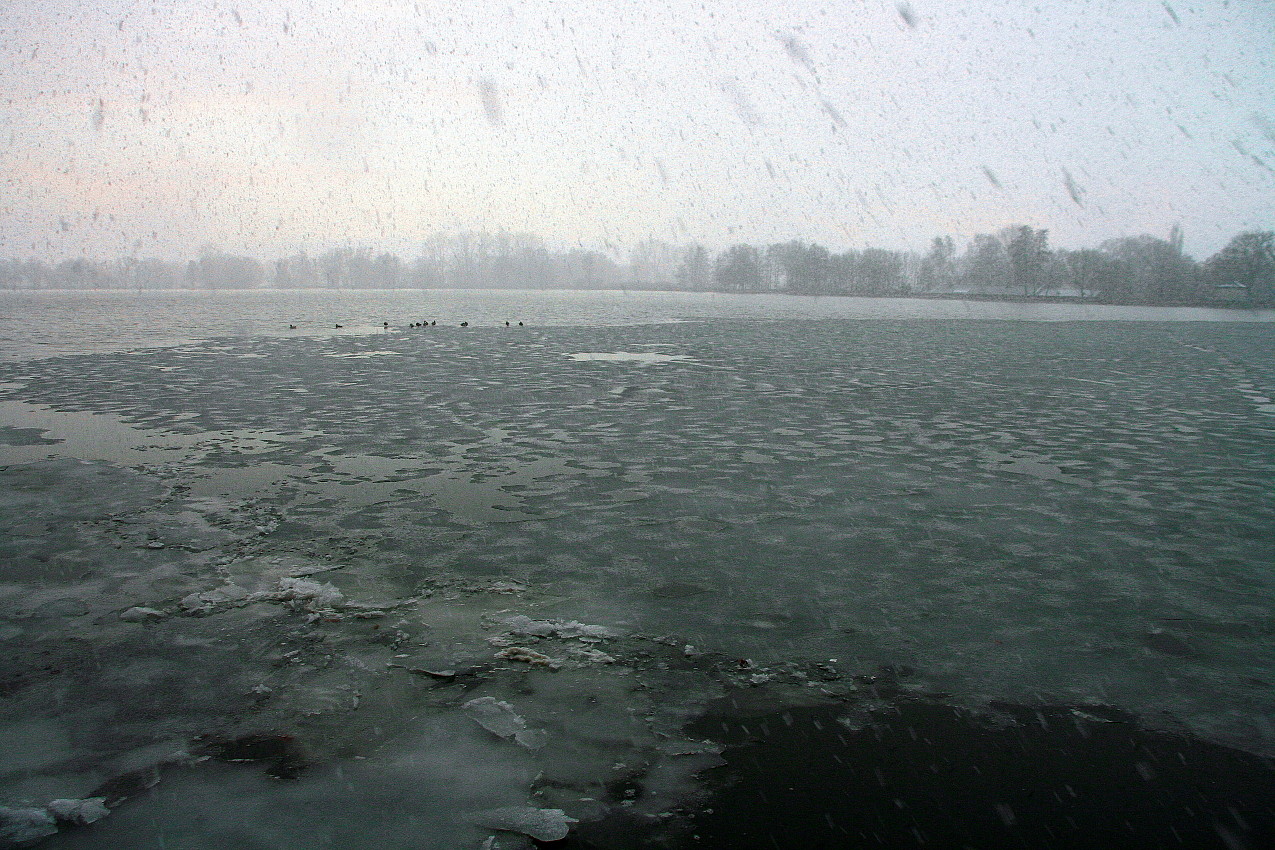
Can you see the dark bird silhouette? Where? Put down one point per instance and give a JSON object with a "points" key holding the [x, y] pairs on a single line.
{"points": [[340, 326], [464, 324], [292, 327]]}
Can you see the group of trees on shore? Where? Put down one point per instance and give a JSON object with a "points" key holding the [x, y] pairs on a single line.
{"points": [[1014, 263]]}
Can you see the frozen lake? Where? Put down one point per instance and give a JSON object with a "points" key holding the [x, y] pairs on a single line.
{"points": [[327, 544]]}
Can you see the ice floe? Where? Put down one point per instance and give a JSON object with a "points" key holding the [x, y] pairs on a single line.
{"points": [[142, 614], [499, 718], [81, 812], [540, 824], [22, 827]]}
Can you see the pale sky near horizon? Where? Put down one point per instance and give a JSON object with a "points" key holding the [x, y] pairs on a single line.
{"points": [[271, 126]]}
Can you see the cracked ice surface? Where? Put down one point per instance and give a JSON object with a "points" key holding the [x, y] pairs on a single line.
{"points": [[344, 551]]}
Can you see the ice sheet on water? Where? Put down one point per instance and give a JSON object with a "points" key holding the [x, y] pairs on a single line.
{"points": [[408, 791]]}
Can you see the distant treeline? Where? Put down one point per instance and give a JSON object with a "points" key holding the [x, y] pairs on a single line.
{"points": [[1015, 263]]}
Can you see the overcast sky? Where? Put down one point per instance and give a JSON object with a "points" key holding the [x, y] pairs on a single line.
{"points": [[269, 126]]}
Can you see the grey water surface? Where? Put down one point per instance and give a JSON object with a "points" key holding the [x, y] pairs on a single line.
{"points": [[1042, 504]]}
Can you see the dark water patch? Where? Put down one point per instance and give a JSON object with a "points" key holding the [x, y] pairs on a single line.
{"points": [[23, 437], [282, 755], [922, 774], [1169, 644], [678, 590]]}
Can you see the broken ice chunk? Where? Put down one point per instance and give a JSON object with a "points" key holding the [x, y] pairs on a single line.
{"points": [[202, 603], [142, 614], [508, 842], [315, 594], [23, 827], [530, 656], [592, 656], [500, 719], [508, 587], [226, 593], [82, 812], [301, 594], [521, 624], [496, 716], [540, 824]]}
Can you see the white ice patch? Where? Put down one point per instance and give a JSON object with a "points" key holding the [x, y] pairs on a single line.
{"points": [[521, 624], [312, 594], [300, 594], [142, 614], [644, 358]]}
